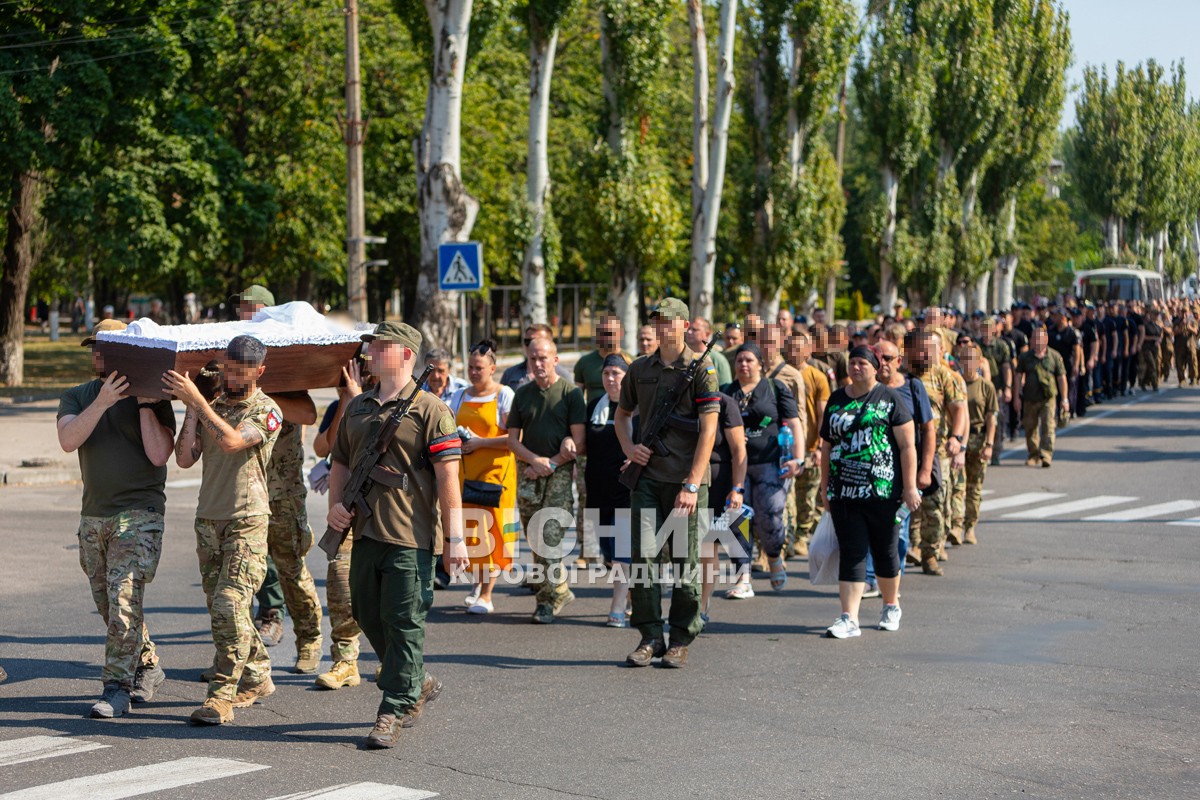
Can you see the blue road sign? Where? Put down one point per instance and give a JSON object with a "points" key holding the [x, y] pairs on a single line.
{"points": [[460, 266]]}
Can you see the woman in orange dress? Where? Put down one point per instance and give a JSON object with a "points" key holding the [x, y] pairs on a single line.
{"points": [[488, 474]]}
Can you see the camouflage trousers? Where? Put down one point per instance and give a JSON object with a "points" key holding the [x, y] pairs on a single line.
{"points": [[288, 541], [928, 527], [956, 500], [344, 633], [976, 470], [808, 483], [119, 555], [233, 563], [533, 495]]}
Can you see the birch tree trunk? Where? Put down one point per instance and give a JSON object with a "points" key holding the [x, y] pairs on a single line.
{"points": [[1112, 236], [708, 174], [979, 297], [1160, 251], [764, 214], [446, 211], [623, 292], [796, 134], [542, 48], [1006, 265], [887, 279], [22, 213], [1195, 229]]}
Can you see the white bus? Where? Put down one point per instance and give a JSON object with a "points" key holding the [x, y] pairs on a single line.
{"points": [[1118, 283]]}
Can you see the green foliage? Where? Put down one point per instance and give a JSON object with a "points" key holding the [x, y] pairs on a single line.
{"points": [[1048, 236], [1109, 142]]}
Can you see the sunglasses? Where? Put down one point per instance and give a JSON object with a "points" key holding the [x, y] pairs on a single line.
{"points": [[888, 359], [483, 348]]}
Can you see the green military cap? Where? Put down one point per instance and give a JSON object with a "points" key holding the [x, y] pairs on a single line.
{"points": [[670, 308], [255, 295], [101, 326], [398, 332]]}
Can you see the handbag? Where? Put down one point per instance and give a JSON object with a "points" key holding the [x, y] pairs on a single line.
{"points": [[482, 493]]}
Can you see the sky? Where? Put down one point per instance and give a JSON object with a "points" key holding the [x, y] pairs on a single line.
{"points": [[1108, 31]]}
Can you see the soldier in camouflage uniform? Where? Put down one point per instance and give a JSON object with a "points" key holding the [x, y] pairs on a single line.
{"points": [[982, 411], [956, 498], [289, 537], [922, 351], [234, 435], [545, 431], [344, 630], [124, 445]]}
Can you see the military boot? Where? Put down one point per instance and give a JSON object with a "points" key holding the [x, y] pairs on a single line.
{"points": [[930, 567], [308, 658], [249, 695], [969, 536], [343, 673], [113, 703], [270, 627], [215, 711], [146, 681]]}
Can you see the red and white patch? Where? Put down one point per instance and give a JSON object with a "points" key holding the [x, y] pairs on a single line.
{"points": [[273, 421]]}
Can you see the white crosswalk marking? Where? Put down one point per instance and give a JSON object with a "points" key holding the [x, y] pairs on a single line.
{"points": [[1194, 522], [1070, 507], [34, 748], [360, 791], [137, 780], [1028, 498], [1146, 512]]}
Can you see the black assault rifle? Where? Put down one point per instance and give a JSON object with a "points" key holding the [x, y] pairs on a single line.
{"points": [[354, 496], [651, 430]]}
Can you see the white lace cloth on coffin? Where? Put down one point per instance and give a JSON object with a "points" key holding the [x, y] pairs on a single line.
{"points": [[275, 326]]}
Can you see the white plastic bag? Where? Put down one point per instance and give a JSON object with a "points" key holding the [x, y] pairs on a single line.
{"points": [[823, 554]]}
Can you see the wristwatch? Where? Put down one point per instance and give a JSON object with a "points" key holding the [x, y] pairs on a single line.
{"points": [[738, 489], [691, 488]]}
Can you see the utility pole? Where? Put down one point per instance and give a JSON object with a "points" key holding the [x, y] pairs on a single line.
{"points": [[353, 132], [831, 281]]}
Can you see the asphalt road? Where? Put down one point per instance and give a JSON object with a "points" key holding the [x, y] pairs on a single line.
{"points": [[1056, 659]]}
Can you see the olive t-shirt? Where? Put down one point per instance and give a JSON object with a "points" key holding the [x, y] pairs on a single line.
{"points": [[545, 416], [407, 515], [1038, 370], [234, 485], [589, 371], [981, 404], [864, 460], [117, 475]]}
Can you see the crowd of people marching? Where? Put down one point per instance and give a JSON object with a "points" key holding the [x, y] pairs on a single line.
{"points": [[756, 444]]}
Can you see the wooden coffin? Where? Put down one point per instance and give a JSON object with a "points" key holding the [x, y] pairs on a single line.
{"points": [[289, 368]]}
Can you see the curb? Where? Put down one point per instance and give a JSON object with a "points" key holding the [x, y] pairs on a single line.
{"points": [[37, 476]]}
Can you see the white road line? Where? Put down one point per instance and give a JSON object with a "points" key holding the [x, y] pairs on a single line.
{"points": [[1088, 419], [1015, 500], [34, 748], [1194, 522], [1074, 506], [183, 483], [986, 492], [1146, 512], [360, 791], [137, 780]]}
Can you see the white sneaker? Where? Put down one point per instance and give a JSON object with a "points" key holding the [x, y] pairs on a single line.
{"points": [[481, 607], [871, 591], [890, 619], [844, 628], [742, 591], [472, 598]]}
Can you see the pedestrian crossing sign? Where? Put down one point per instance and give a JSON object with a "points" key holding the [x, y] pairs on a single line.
{"points": [[460, 266]]}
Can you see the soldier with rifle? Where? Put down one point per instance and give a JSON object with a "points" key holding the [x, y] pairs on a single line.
{"points": [[394, 478], [674, 390]]}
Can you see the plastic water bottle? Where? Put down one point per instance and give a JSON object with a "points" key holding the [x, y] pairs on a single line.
{"points": [[785, 447], [902, 514]]}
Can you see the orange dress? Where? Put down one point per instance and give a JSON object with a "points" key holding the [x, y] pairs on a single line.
{"points": [[492, 548]]}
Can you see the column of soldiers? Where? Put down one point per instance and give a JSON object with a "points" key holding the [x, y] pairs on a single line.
{"points": [[983, 375]]}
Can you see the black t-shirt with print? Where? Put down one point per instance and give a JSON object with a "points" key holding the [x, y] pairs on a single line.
{"points": [[730, 417], [763, 410], [864, 460]]}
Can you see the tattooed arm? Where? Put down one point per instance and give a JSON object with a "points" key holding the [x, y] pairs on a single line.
{"points": [[226, 437], [187, 446]]}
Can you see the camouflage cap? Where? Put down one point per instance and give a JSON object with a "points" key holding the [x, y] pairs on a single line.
{"points": [[670, 308], [255, 294], [398, 332], [102, 326]]}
